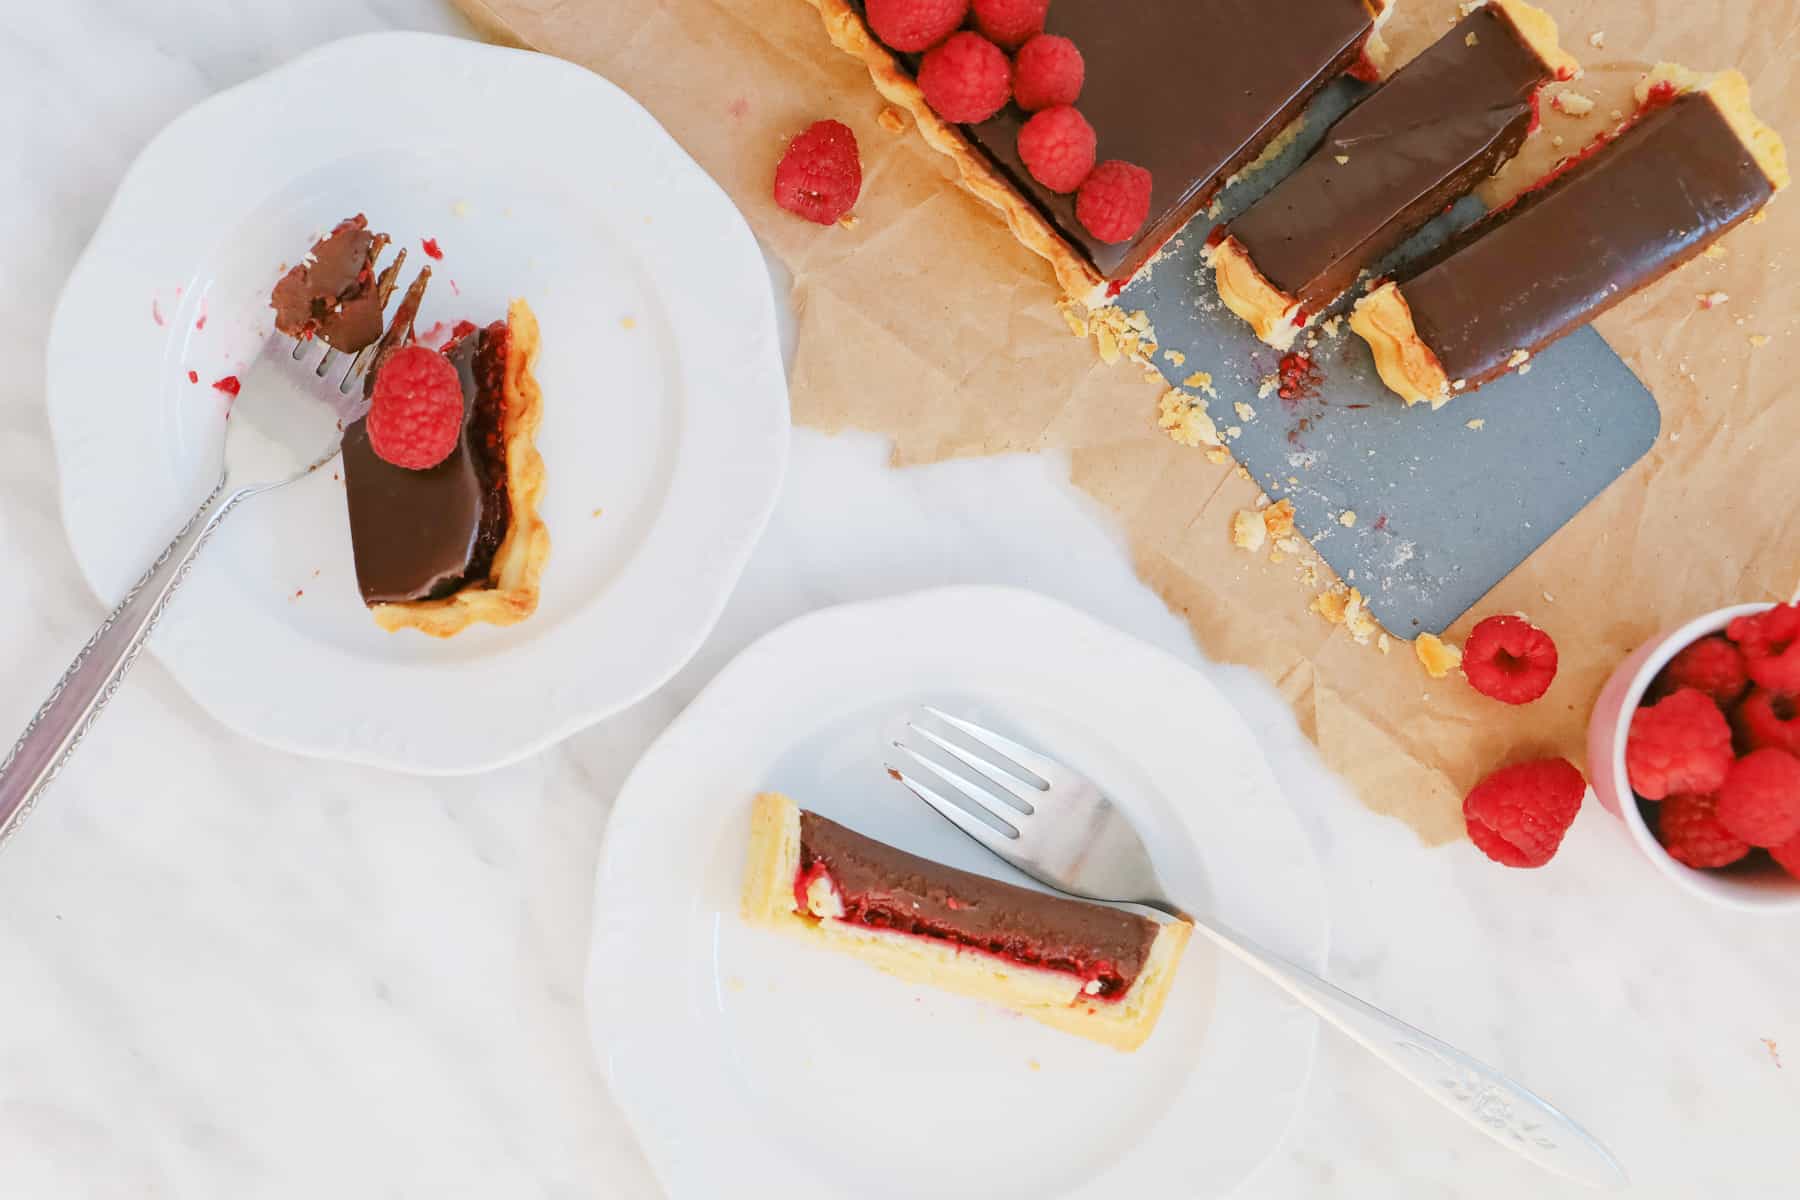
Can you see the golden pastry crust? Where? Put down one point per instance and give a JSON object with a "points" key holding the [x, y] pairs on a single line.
{"points": [[1730, 93], [1074, 273], [1537, 29], [1051, 997], [1248, 293], [510, 592], [1407, 365]]}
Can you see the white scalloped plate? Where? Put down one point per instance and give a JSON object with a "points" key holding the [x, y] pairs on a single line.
{"points": [[665, 431], [754, 1067]]}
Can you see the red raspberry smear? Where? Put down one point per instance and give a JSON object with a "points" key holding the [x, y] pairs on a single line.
{"points": [[820, 176], [229, 385], [416, 409], [193, 377], [1771, 645], [1688, 828], [1114, 203], [914, 25], [1058, 146], [431, 248], [1011, 23], [967, 79], [1047, 71], [1518, 815], [1509, 659], [1760, 801], [1714, 665], [1680, 744]]}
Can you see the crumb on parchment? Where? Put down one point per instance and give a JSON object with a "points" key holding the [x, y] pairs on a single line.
{"points": [[1437, 656]]}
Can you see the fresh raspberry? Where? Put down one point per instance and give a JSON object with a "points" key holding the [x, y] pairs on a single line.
{"points": [[1771, 645], [1788, 855], [1057, 147], [416, 409], [910, 26], [1509, 659], [1011, 23], [820, 176], [1767, 720], [1114, 203], [1688, 827], [1760, 801], [1047, 71], [967, 79], [1681, 744], [1517, 816], [1712, 664]]}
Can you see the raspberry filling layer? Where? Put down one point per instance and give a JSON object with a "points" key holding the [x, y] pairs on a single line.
{"points": [[848, 877]]}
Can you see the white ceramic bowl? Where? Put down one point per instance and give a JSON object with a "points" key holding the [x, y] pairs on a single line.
{"points": [[1769, 889]]}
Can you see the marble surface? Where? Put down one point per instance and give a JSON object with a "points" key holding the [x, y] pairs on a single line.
{"points": [[230, 972]]}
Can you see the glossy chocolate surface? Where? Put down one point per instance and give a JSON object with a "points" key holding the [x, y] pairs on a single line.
{"points": [[1444, 122], [333, 292], [889, 888], [421, 535], [1570, 249], [1191, 91]]}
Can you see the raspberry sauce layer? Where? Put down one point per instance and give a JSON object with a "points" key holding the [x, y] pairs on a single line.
{"points": [[1190, 91], [1447, 120], [885, 888], [1616, 221], [422, 535]]}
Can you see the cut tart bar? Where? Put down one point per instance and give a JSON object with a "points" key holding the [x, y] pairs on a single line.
{"points": [[1080, 967], [1693, 162], [1191, 92], [1448, 119], [461, 542]]}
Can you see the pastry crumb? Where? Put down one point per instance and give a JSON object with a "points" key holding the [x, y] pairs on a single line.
{"points": [[1279, 517], [1572, 104], [1332, 326], [1557, 140], [1518, 358], [1185, 420], [1712, 299], [627, 323], [889, 118], [1477, 423], [1244, 411], [1549, 599], [1716, 252], [1459, 385], [1616, 115], [1342, 159], [1248, 532], [1034, 1064], [1201, 380], [1384, 643], [1218, 456], [1077, 325], [1348, 519], [849, 220], [1471, 40], [1291, 545], [1597, 39], [596, 512], [460, 209], [1267, 386], [1437, 656], [1175, 356], [1759, 340], [1234, 431]]}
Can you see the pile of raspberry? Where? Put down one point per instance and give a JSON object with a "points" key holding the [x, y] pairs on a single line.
{"points": [[967, 77], [1714, 751]]}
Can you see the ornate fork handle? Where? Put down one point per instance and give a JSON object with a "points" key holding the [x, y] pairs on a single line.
{"points": [[1506, 1111], [76, 700]]}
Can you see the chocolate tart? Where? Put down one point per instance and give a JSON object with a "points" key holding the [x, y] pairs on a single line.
{"points": [[1087, 969], [460, 543], [1445, 121], [1192, 92], [1688, 166]]}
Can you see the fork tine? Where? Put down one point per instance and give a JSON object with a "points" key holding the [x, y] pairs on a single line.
{"points": [[956, 814], [1007, 820], [1046, 769], [1017, 788]]}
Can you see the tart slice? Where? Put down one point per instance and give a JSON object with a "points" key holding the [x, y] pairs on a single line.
{"points": [[1084, 968], [1688, 166], [1190, 92], [460, 542], [1444, 122]]}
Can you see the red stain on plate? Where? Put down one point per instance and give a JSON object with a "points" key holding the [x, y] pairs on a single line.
{"points": [[432, 250]]}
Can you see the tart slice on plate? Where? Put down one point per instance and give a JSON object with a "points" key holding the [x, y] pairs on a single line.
{"points": [[459, 541]]}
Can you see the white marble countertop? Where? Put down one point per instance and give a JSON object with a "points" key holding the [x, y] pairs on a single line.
{"points": [[230, 972]]}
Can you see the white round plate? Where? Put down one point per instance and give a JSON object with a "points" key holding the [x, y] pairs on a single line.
{"points": [[665, 427], [753, 1066]]}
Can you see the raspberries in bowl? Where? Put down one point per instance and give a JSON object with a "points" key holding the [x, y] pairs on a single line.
{"points": [[1694, 745]]}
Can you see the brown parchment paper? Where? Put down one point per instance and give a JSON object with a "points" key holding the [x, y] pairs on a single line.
{"points": [[928, 323]]}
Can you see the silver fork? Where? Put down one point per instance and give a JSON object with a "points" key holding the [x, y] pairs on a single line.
{"points": [[286, 422], [1055, 825]]}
